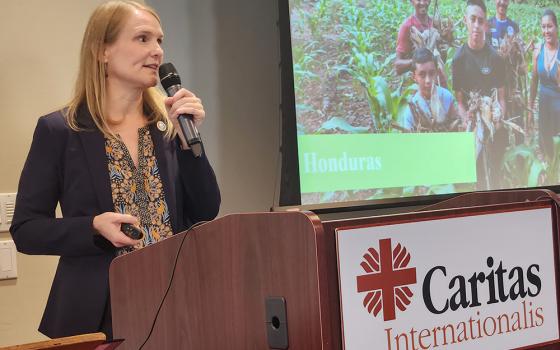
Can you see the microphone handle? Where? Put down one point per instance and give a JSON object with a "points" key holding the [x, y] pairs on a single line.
{"points": [[189, 130], [191, 134]]}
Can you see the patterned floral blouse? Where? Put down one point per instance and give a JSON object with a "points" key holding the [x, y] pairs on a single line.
{"points": [[138, 191]]}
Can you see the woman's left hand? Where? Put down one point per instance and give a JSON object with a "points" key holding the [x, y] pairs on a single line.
{"points": [[184, 102]]}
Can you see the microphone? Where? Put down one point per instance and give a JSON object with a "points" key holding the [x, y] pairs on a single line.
{"points": [[171, 82]]}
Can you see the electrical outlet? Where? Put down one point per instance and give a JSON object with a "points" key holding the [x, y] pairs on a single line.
{"points": [[8, 261], [7, 207]]}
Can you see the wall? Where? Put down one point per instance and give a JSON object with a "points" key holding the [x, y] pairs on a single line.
{"points": [[226, 52]]}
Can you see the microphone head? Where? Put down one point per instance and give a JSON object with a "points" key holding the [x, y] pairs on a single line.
{"points": [[168, 75]]}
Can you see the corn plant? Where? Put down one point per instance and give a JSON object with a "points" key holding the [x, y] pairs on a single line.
{"points": [[319, 17], [388, 16], [553, 171], [304, 59], [524, 166], [386, 106]]}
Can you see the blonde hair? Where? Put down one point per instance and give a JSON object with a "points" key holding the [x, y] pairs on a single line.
{"points": [[103, 28]]}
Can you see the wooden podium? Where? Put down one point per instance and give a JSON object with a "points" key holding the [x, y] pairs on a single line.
{"points": [[237, 275]]}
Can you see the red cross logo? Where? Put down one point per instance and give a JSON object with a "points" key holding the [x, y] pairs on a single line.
{"points": [[386, 279]]}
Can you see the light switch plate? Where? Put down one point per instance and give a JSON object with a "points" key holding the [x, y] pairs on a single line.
{"points": [[8, 261], [7, 207]]}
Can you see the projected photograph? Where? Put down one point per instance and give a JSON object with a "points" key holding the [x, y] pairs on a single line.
{"points": [[400, 98]]}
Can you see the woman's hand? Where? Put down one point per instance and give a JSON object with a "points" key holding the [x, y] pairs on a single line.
{"points": [[184, 102], [109, 226]]}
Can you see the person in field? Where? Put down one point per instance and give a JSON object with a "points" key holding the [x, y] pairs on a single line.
{"points": [[477, 68], [430, 101], [501, 25], [545, 81], [422, 22]]}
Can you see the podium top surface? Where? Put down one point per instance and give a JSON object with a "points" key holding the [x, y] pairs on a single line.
{"points": [[78, 342]]}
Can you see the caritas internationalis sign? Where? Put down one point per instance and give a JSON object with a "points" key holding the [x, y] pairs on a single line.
{"points": [[470, 282]]}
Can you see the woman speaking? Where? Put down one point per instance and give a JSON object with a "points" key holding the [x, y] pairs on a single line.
{"points": [[112, 156]]}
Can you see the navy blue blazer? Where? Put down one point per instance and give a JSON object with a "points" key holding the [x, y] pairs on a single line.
{"points": [[68, 167]]}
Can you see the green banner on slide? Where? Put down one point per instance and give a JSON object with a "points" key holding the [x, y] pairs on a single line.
{"points": [[364, 161]]}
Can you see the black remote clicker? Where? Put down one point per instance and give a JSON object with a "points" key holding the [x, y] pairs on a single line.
{"points": [[132, 231]]}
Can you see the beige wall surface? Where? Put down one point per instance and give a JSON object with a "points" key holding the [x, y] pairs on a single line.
{"points": [[226, 51]]}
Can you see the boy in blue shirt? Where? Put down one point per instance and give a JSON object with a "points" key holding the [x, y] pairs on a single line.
{"points": [[443, 111], [500, 25]]}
